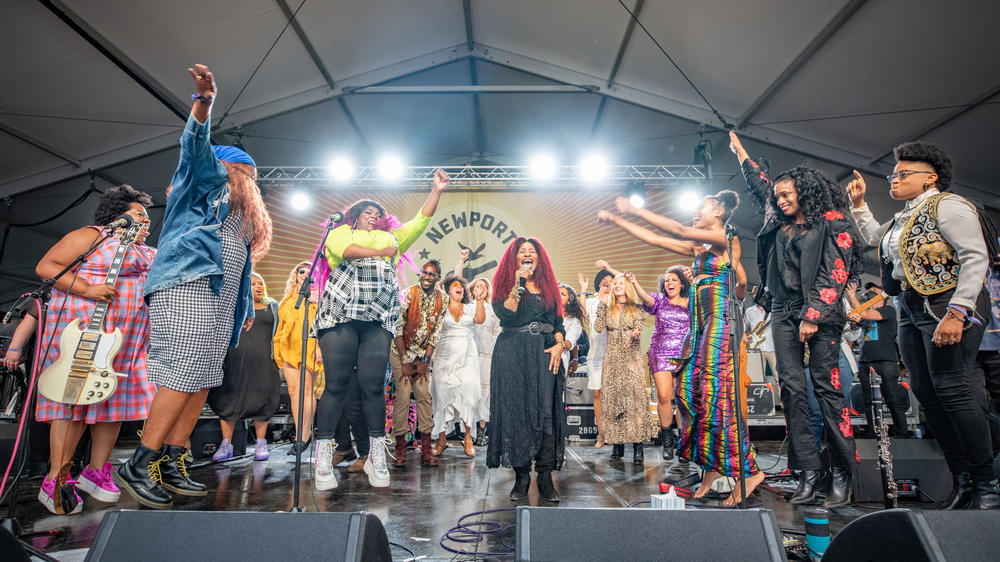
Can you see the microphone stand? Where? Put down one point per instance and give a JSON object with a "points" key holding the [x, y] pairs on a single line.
{"points": [[304, 291], [735, 319], [41, 295]]}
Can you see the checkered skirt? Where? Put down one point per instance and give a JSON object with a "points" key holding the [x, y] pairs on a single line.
{"points": [[191, 326], [360, 289], [127, 312]]}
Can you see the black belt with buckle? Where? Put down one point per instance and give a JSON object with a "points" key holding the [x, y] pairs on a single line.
{"points": [[535, 328]]}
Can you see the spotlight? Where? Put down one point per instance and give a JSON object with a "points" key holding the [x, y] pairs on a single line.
{"points": [[300, 200], [593, 168], [689, 201], [636, 193], [341, 169], [390, 167], [543, 167]]}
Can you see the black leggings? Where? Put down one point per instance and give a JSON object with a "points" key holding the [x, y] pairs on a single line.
{"points": [[355, 346]]}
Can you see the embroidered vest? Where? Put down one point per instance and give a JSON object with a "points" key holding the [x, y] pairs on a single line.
{"points": [[929, 262]]}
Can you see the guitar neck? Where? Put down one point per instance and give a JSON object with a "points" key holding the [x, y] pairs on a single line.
{"points": [[97, 319], [867, 304]]}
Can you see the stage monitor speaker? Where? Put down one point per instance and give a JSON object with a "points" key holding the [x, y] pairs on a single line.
{"points": [[917, 464], [647, 534], [917, 536], [242, 536]]}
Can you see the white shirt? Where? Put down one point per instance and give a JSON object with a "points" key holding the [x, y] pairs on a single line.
{"points": [[598, 342], [573, 329], [752, 317], [958, 222]]}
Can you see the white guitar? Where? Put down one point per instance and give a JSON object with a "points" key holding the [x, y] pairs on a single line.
{"points": [[83, 372]]}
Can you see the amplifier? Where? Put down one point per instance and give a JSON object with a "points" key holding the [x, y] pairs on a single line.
{"points": [[577, 392], [580, 423], [918, 466], [760, 400], [755, 365]]}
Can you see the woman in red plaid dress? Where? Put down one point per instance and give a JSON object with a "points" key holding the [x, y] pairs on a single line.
{"points": [[76, 296]]}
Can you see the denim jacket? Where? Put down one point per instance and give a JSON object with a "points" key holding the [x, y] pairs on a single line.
{"points": [[189, 245]]}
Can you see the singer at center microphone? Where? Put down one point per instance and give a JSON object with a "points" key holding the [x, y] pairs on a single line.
{"points": [[520, 283]]}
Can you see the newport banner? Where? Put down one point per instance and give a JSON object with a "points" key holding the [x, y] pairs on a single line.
{"points": [[485, 223]]}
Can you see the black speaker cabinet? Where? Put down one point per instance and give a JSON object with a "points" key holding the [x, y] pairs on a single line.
{"points": [[918, 536], [238, 536], [918, 467], [647, 534], [207, 436]]}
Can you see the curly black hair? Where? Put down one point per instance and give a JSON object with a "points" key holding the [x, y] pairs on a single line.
{"points": [[930, 154], [679, 272], [817, 194], [435, 263], [461, 281], [115, 201], [355, 210], [572, 308], [729, 200]]}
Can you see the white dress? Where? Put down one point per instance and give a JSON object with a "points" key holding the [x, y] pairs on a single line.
{"points": [[455, 378], [486, 336], [598, 344], [573, 332]]}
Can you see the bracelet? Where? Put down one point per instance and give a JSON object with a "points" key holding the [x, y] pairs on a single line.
{"points": [[13, 349], [196, 96], [954, 310], [513, 294]]}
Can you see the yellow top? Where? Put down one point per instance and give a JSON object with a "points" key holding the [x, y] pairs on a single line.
{"points": [[343, 236], [288, 336]]}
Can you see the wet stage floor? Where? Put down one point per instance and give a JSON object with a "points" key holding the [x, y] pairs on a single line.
{"points": [[422, 502]]}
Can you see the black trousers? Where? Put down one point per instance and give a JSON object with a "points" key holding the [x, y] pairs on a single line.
{"points": [[352, 421], [987, 369], [954, 403], [354, 349], [824, 355], [893, 393]]}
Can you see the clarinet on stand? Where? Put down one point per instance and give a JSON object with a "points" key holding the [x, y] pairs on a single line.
{"points": [[890, 491]]}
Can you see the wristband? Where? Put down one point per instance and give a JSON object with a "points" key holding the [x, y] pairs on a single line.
{"points": [[955, 310], [13, 349], [196, 96]]}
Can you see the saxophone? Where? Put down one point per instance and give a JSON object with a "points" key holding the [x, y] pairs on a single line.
{"points": [[889, 489]]}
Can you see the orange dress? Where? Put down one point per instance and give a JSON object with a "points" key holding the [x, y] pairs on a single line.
{"points": [[288, 336]]}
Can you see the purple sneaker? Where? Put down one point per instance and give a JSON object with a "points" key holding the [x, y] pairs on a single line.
{"points": [[224, 452], [100, 484], [260, 450], [47, 493]]}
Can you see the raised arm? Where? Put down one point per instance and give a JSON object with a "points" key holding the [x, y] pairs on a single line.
{"points": [[441, 180], [681, 247], [460, 265], [868, 225], [672, 227], [607, 267], [647, 300]]}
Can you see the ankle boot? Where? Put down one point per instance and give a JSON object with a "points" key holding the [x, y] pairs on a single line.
{"points": [[522, 480], [174, 475], [808, 483], [399, 458], [617, 451], [140, 477], [840, 488], [668, 442], [961, 494], [985, 495], [546, 489], [426, 453], [638, 456]]}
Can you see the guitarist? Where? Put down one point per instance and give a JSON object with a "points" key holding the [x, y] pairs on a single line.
{"points": [[76, 295], [758, 321], [879, 352]]}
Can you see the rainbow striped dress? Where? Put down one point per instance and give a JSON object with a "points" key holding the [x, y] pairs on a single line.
{"points": [[705, 385]]}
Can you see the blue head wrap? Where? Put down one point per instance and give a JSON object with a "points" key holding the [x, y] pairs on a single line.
{"points": [[232, 154]]}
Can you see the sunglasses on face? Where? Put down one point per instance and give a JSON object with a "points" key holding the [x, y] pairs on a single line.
{"points": [[301, 271]]}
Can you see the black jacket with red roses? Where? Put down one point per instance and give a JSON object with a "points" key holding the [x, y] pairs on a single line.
{"points": [[823, 273]]}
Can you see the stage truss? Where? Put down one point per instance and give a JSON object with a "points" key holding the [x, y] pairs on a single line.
{"points": [[481, 177]]}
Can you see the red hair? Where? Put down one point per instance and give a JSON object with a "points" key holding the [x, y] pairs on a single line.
{"points": [[244, 197], [545, 277]]}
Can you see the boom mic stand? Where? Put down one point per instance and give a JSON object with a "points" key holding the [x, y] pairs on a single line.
{"points": [[735, 320], [304, 290], [40, 295]]}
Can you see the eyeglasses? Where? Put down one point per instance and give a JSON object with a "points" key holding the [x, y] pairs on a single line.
{"points": [[903, 174]]}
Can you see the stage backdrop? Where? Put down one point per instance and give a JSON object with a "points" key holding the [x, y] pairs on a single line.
{"points": [[486, 222]]}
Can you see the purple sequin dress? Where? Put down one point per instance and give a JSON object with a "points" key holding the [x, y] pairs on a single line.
{"points": [[672, 324]]}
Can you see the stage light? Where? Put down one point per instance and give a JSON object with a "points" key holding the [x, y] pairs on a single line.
{"points": [[689, 200], [543, 167], [593, 168], [341, 169], [636, 193], [300, 200], [390, 167]]}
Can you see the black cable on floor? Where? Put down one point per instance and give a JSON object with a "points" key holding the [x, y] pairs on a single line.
{"points": [[466, 533], [397, 545]]}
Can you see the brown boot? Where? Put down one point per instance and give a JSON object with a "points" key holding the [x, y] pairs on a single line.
{"points": [[426, 455], [400, 453], [358, 465]]}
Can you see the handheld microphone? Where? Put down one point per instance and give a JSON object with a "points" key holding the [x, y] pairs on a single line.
{"points": [[123, 221], [520, 283], [336, 217]]}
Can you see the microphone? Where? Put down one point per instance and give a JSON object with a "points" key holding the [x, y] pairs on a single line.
{"points": [[123, 221], [520, 283], [336, 217], [731, 231]]}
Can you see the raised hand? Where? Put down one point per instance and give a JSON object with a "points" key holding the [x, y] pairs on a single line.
{"points": [[856, 190], [204, 81], [629, 277], [602, 264], [604, 217], [441, 180], [583, 282], [736, 146], [852, 287], [464, 254], [623, 205]]}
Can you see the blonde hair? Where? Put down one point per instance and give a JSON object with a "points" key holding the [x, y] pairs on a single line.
{"points": [[489, 287], [292, 284], [632, 302]]}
